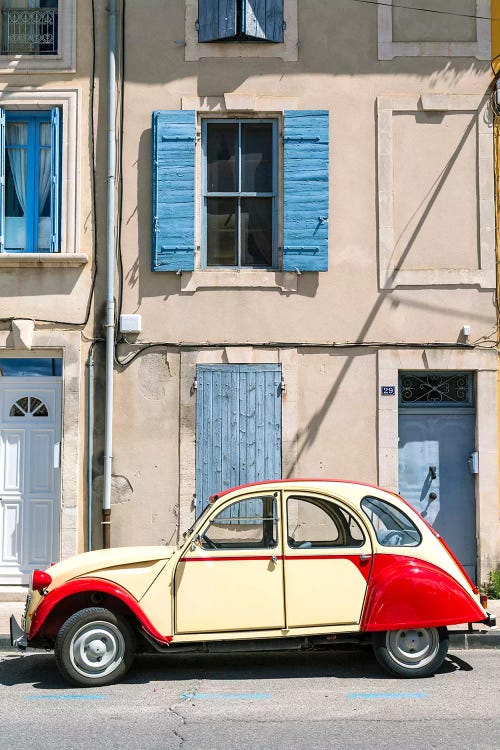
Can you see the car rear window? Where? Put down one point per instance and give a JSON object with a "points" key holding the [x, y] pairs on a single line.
{"points": [[392, 527]]}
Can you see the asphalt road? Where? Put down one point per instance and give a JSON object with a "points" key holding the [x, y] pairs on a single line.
{"points": [[271, 701]]}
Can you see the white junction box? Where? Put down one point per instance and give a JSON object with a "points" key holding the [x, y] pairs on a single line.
{"points": [[130, 323]]}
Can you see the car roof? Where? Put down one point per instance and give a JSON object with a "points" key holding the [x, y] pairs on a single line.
{"points": [[308, 482]]}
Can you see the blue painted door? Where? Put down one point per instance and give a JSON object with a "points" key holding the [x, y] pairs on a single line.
{"points": [[238, 432], [436, 441]]}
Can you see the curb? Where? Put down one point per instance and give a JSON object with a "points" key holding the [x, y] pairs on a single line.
{"points": [[467, 641], [462, 640]]}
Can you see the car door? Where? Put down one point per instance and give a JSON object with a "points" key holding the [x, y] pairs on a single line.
{"points": [[231, 577], [328, 557]]}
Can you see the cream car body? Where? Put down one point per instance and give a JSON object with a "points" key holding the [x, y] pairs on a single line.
{"points": [[354, 575]]}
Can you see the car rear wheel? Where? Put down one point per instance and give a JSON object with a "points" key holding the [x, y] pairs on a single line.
{"points": [[412, 652], [94, 647]]}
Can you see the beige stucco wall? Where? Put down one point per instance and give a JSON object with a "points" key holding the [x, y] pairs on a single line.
{"points": [[438, 223], [423, 164], [56, 287]]}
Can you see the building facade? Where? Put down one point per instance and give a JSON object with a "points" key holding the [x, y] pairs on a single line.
{"points": [[305, 225]]}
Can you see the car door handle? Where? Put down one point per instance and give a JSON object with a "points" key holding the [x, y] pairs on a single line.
{"points": [[274, 559], [364, 558]]}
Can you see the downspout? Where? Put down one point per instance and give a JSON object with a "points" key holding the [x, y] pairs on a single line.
{"points": [[90, 442], [110, 280]]}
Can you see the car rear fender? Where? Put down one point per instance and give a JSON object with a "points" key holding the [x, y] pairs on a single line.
{"points": [[406, 592], [80, 593]]}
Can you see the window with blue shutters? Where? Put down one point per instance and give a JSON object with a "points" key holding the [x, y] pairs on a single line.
{"points": [[241, 224], [30, 181], [240, 20], [240, 193]]}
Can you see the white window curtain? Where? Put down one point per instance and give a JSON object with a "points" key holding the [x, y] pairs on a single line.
{"points": [[45, 165], [16, 133]]}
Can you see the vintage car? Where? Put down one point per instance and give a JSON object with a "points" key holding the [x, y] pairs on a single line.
{"points": [[297, 563]]}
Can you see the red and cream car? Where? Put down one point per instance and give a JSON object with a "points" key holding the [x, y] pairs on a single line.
{"points": [[300, 562]]}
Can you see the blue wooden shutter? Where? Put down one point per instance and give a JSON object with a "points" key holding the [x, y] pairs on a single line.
{"points": [[3, 157], [238, 431], [55, 180], [174, 134], [263, 19], [306, 151], [216, 20]]}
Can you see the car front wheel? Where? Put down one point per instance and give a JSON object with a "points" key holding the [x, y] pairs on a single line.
{"points": [[412, 652], [94, 647]]}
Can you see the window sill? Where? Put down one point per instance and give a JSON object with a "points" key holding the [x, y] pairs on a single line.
{"points": [[42, 260], [238, 279]]}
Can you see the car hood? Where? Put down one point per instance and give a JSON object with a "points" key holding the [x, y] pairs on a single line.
{"points": [[93, 562]]}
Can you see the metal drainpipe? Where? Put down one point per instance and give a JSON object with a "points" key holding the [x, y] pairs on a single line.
{"points": [[110, 280], [90, 443]]}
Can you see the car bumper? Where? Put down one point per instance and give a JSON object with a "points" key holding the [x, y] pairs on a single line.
{"points": [[491, 620], [18, 637]]}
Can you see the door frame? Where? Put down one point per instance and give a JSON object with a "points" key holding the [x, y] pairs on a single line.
{"points": [[484, 365]]}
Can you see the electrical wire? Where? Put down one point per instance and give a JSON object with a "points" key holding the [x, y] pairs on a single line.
{"points": [[425, 10]]}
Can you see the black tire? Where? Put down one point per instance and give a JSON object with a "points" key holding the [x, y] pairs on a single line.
{"points": [[94, 647], [411, 653]]}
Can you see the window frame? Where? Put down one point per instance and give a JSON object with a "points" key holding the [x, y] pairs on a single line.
{"points": [[64, 60], [274, 195], [329, 506], [34, 118], [231, 546]]}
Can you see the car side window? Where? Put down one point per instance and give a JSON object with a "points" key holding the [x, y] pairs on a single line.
{"points": [[246, 524], [392, 527], [317, 522]]}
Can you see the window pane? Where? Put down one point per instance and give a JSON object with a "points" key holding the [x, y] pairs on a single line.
{"points": [[320, 523], [246, 524], [257, 158], [222, 150], [256, 231], [221, 231], [392, 527]]}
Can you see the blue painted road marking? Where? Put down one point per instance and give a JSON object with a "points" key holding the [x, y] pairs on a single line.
{"points": [[66, 697], [391, 696], [224, 696]]}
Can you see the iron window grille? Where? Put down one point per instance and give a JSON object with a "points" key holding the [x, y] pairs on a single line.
{"points": [[30, 30], [436, 388]]}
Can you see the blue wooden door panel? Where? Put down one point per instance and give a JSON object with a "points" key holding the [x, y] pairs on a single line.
{"points": [[216, 20], [3, 156], [173, 244], [263, 19], [55, 184], [306, 173], [238, 429]]}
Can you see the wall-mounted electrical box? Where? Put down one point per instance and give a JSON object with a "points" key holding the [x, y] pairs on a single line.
{"points": [[130, 323]]}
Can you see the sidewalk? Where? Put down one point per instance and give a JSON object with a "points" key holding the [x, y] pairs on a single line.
{"points": [[460, 636]]}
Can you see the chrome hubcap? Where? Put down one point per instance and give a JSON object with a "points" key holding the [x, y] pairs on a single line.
{"points": [[97, 649], [413, 648]]}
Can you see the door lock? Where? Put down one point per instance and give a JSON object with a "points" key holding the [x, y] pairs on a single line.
{"points": [[432, 496]]}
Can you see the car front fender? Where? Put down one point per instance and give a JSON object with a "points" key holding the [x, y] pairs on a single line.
{"points": [[46, 608]]}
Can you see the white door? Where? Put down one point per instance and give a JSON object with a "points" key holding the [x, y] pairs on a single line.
{"points": [[30, 435]]}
